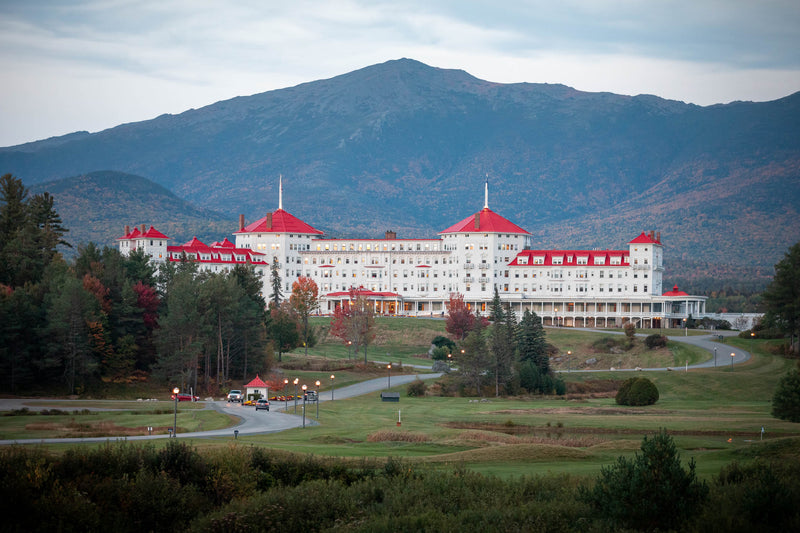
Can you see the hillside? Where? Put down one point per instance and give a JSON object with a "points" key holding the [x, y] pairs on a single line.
{"points": [[405, 146], [97, 207]]}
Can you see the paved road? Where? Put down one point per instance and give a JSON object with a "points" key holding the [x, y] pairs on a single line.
{"points": [[251, 422], [261, 422], [719, 351]]}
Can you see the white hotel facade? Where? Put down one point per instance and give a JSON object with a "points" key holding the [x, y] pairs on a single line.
{"points": [[415, 277]]}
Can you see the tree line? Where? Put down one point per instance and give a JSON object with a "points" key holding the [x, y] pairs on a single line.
{"points": [[103, 317], [500, 354]]}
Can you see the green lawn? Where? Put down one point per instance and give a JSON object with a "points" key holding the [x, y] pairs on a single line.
{"points": [[715, 415]]}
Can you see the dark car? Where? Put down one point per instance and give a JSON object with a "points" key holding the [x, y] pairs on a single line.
{"points": [[262, 403], [182, 397]]}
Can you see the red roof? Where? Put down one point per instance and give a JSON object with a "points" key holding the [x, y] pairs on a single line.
{"points": [[257, 382], [675, 292], [585, 258], [132, 235], [489, 222], [153, 233], [224, 244], [282, 222], [136, 233], [645, 239], [215, 254]]}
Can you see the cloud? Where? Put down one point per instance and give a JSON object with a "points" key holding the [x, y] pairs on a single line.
{"points": [[90, 64]]}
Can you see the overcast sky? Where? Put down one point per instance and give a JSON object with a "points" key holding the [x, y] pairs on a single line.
{"points": [[71, 65]]}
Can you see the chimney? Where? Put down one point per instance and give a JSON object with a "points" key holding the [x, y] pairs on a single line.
{"points": [[127, 229], [390, 235], [268, 221], [142, 228], [652, 235], [658, 237], [478, 220], [241, 222]]}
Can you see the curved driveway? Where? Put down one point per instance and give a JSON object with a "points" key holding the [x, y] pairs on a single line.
{"points": [[251, 422], [255, 423]]}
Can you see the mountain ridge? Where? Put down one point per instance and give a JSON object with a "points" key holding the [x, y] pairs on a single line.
{"points": [[405, 146]]}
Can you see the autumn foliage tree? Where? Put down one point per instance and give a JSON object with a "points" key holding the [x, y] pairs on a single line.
{"points": [[460, 319], [354, 321], [305, 300]]}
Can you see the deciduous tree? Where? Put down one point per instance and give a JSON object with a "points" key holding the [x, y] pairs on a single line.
{"points": [[460, 319], [305, 300]]}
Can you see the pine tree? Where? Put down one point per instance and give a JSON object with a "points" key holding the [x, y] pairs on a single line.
{"points": [[531, 342]]}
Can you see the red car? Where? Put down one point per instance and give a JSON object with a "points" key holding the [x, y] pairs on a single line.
{"points": [[183, 397]]}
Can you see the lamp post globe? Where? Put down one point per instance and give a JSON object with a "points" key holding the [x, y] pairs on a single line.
{"points": [[304, 387], [175, 392], [296, 381], [316, 400]]}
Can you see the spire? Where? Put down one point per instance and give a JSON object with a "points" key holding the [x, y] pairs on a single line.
{"points": [[280, 191], [486, 193]]}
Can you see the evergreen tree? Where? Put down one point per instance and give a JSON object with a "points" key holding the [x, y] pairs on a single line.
{"points": [[502, 342], [474, 359], [782, 296], [786, 400], [531, 342], [275, 282]]}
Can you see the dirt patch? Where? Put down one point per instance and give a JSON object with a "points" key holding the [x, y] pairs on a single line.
{"points": [[512, 452], [584, 411], [104, 428], [397, 436], [490, 438]]}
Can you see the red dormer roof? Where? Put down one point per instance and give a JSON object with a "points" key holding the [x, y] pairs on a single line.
{"points": [[196, 244], [571, 258], [224, 244], [675, 292], [644, 238], [488, 222], [257, 382], [280, 222]]}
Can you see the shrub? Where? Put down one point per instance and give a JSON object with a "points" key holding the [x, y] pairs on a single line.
{"points": [[440, 354], [637, 391], [655, 341], [443, 342], [650, 492], [417, 388], [786, 400]]}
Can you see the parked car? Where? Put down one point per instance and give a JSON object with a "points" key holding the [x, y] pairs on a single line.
{"points": [[262, 404], [311, 396], [183, 397], [235, 396]]}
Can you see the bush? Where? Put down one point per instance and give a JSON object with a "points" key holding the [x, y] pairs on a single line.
{"points": [[417, 388], [786, 400], [655, 341], [637, 391], [443, 342], [650, 492]]}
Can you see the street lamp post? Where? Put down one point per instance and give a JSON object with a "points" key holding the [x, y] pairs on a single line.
{"points": [[332, 378], [349, 347], [733, 354], [285, 399], [449, 360], [389, 377], [555, 316], [175, 392], [317, 398], [569, 360], [715, 357], [295, 394], [685, 328], [304, 405]]}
